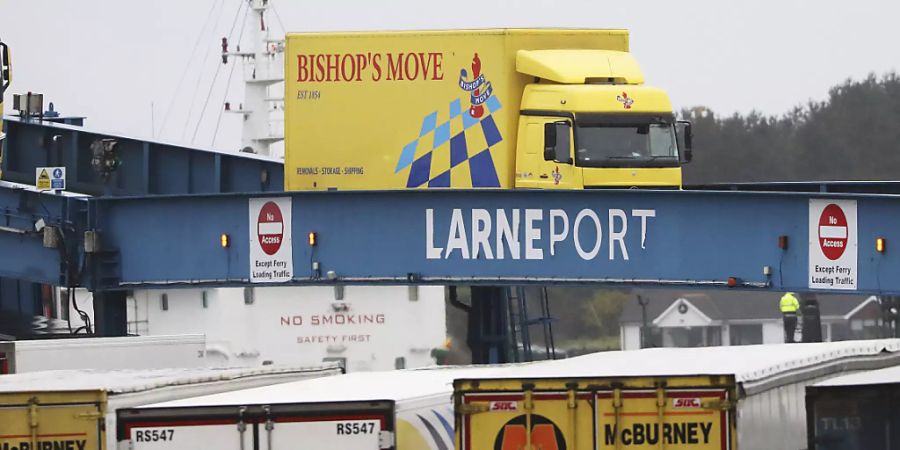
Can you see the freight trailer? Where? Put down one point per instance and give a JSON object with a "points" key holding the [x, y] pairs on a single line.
{"points": [[76, 409], [131, 352], [722, 398], [404, 410], [855, 412], [503, 108]]}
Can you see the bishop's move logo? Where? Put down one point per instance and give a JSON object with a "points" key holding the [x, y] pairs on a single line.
{"points": [[625, 100], [479, 89], [557, 177]]}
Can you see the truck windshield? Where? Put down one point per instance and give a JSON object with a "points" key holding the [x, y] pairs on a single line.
{"points": [[625, 145]]}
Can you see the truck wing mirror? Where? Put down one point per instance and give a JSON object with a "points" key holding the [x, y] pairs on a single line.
{"points": [[688, 150], [4, 67], [688, 137], [549, 141]]}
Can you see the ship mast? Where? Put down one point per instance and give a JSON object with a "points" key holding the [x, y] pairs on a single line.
{"points": [[263, 67]]}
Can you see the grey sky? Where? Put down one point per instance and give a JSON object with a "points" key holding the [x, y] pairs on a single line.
{"points": [[110, 59]]}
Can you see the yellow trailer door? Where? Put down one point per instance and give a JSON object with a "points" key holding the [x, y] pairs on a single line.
{"points": [[50, 421], [542, 420], [684, 419]]}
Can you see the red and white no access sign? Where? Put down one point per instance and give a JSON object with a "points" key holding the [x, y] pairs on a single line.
{"points": [[833, 231], [271, 255], [270, 228], [833, 255]]}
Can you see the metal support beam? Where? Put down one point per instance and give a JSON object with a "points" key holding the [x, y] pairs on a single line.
{"points": [[110, 313], [488, 335], [858, 187], [28, 256], [147, 167]]}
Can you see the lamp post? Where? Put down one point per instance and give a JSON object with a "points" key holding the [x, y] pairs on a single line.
{"points": [[644, 340]]}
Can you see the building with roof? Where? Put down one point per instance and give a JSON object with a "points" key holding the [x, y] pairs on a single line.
{"points": [[712, 318]]}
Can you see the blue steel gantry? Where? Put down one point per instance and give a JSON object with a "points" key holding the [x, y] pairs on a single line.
{"points": [[147, 168], [628, 237], [635, 238], [179, 217]]}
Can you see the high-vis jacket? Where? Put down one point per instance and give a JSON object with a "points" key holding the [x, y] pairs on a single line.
{"points": [[789, 303]]}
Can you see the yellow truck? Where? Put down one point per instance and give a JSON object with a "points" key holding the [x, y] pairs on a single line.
{"points": [[76, 409], [503, 108], [713, 398]]}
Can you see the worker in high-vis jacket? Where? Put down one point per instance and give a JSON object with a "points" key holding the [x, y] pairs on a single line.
{"points": [[789, 306]]}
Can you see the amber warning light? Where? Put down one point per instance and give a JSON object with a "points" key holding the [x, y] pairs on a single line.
{"points": [[312, 238], [223, 239], [880, 245], [783, 242]]}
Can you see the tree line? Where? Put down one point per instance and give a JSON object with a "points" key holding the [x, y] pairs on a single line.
{"points": [[852, 135]]}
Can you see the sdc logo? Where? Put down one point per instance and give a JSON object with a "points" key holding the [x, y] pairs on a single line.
{"points": [[687, 403], [545, 435], [504, 406]]}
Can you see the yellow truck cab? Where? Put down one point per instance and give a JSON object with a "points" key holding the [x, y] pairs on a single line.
{"points": [[595, 122], [507, 108]]}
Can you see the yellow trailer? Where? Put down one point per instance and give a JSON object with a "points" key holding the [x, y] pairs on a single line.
{"points": [[52, 420], [629, 413], [76, 409], [504, 108], [716, 398]]}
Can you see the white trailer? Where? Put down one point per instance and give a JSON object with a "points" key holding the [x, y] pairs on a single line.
{"points": [[131, 352], [77, 408], [404, 410]]}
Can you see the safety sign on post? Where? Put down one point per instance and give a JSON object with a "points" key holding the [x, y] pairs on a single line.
{"points": [[271, 255], [50, 178], [833, 242]]}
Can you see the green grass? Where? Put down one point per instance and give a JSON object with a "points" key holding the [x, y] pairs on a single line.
{"points": [[589, 345]]}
